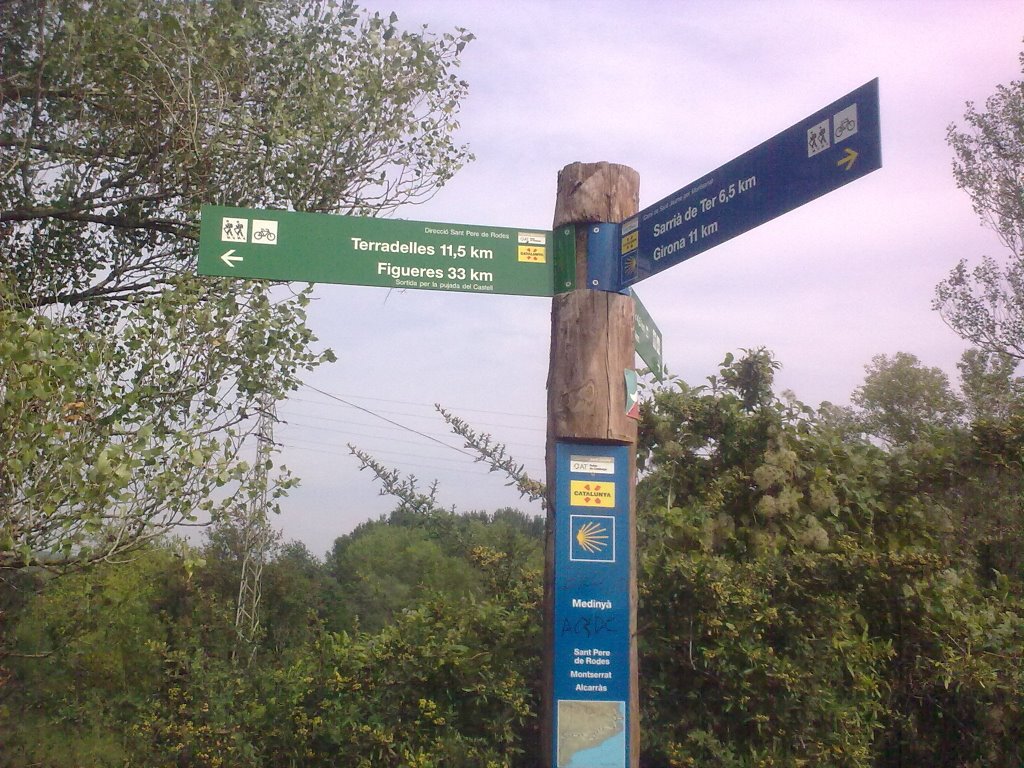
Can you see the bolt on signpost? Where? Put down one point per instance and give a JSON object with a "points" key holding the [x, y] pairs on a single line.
{"points": [[599, 247]]}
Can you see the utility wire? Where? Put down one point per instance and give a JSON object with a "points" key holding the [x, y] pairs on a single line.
{"points": [[390, 421], [432, 416], [289, 424], [409, 402], [402, 463]]}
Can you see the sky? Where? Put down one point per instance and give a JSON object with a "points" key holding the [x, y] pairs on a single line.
{"points": [[673, 90]]}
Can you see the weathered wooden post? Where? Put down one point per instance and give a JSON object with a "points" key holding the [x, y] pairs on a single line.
{"points": [[590, 661], [600, 241]]}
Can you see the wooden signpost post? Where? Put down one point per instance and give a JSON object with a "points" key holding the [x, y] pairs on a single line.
{"points": [[600, 245], [590, 663]]}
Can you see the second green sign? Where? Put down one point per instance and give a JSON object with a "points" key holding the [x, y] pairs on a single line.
{"points": [[390, 253]]}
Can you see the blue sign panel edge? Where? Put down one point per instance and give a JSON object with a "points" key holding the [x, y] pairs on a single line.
{"points": [[780, 174], [591, 654]]}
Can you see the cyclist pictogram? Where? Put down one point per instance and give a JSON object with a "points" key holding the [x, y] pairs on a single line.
{"points": [[845, 122], [264, 232]]}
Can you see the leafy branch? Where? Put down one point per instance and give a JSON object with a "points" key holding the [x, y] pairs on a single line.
{"points": [[494, 455], [405, 489]]}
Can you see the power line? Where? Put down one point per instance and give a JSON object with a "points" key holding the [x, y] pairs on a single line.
{"points": [[409, 402], [300, 426], [430, 416], [301, 441], [321, 404], [402, 464], [391, 421]]}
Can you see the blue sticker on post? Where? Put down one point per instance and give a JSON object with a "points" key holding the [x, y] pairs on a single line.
{"points": [[591, 606], [602, 257]]}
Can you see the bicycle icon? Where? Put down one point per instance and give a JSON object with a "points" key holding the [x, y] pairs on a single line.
{"points": [[264, 233], [848, 125]]}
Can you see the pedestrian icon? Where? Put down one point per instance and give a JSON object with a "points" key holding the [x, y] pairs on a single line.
{"points": [[818, 138], [234, 230], [592, 538]]}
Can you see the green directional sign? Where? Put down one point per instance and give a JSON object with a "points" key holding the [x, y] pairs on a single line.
{"points": [[390, 253], [647, 338]]}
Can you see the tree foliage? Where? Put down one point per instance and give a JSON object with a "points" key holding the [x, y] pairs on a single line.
{"points": [[86, 655], [129, 385], [134, 660], [112, 438], [990, 389], [985, 305], [388, 566], [901, 400], [805, 596]]}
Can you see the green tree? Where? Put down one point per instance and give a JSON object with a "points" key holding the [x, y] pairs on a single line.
{"points": [[990, 389], [800, 602], [433, 550], [385, 569], [387, 566], [985, 305], [901, 400], [127, 384], [299, 597], [86, 656], [450, 682], [298, 593], [751, 655], [969, 469]]}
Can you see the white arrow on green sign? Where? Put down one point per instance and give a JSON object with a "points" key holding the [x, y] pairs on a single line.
{"points": [[359, 250]]}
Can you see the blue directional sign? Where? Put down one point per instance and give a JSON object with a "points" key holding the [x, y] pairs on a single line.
{"points": [[822, 152], [591, 605]]}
